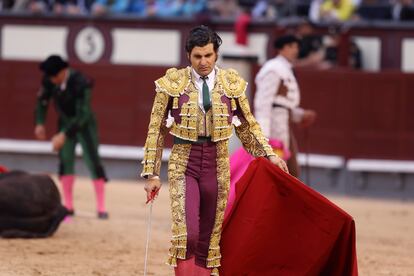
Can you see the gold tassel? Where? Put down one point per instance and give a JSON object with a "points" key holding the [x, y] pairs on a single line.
{"points": [[181, 253], [172, 261], [175, 103], [233, 104], [215, 271]]}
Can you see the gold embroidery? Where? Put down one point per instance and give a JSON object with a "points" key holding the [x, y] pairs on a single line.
{"points": [[250, 134], [234, 86], [176, 173], [228, 83], [189, 116], [174, 82], [203, 122], [188, 128], [208, 122], [155, 138], [193, 95], [223, 180], [233, 105], [176, 179], [175, 103], [221, 128]]}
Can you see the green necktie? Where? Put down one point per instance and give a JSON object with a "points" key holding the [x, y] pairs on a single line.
{"points": [[206, 95]]}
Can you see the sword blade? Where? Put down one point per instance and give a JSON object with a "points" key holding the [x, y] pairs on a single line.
{"points": [[149, 218]]}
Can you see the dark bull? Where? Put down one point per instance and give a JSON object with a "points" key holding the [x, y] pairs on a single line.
{"points": [[29, 205]]}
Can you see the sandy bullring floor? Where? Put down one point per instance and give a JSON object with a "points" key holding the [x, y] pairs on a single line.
{"points": [[87, 246]]}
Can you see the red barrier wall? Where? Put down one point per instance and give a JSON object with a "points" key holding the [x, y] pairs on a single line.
{"points": [[359, 114], [122, 100]]}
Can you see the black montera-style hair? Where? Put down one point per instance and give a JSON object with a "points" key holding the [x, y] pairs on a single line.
{"points": [[284, 40], [53, 65], [200, 36]]}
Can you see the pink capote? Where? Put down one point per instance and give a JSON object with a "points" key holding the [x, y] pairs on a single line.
{"points": [[240, 160], [279, 226]]}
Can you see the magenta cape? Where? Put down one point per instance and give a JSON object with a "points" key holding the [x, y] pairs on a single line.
{"points": [[279, 226]]}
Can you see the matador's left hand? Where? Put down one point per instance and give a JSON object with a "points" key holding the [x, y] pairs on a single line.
{"points": [[58, 140], [278, 162]]}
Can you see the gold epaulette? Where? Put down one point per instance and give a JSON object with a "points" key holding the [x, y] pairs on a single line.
{"points": [[174, 82], [233, 84]]}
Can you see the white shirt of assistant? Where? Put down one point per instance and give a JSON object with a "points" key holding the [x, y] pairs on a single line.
{"points": [[198, 82], [267, 82], [64, 84]]}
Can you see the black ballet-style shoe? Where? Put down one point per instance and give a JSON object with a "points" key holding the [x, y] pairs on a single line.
{"points": [[103, 215], [71, 213]]}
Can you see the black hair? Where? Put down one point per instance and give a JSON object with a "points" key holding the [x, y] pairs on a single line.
{"points": [[53, 65], [283, 40], [200, 36]]}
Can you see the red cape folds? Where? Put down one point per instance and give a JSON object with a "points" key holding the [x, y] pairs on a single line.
{"points": [[279, 226]]}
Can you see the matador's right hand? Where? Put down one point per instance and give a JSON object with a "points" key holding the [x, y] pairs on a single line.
{"points": [[276, 160], [152, 186]]}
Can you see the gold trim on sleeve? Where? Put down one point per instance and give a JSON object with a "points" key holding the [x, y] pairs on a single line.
{"points": [[250, 133], [155, 139]]}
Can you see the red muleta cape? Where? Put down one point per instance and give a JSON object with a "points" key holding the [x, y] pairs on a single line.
{"points": [[279, 226]]}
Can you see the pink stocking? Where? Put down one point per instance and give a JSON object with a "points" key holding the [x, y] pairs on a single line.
{"points": [[67, 187], [100, 194], [202, 271], [186, 267]]}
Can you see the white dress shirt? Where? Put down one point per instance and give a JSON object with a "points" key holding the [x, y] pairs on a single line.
{"points": [[274, 121], [198, 82]]}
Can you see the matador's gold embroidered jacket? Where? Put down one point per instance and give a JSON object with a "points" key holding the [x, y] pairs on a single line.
{"points": [[177, 94], [176, 109]]}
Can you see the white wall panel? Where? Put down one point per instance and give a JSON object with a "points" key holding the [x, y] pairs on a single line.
{"points": [[407, 55], [257, 45], [35, 43], [155, 47], [371, 52]]}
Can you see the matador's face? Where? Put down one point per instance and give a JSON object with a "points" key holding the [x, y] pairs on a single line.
{"points": [[203, 59], [59, 78]]}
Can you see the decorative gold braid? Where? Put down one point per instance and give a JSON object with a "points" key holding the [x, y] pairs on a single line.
{"points": [[160, 146], [177, 82], [249, 132], [188, 128], [221, 128], [177, 166], [223, 179], [174, 82], [233, 85], [155, 138]]}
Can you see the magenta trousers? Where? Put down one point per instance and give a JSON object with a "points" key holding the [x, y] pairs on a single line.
{"points": [[201, 193]]}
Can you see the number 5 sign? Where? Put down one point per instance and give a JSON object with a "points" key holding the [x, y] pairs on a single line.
{"points": [[89, 45]]}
